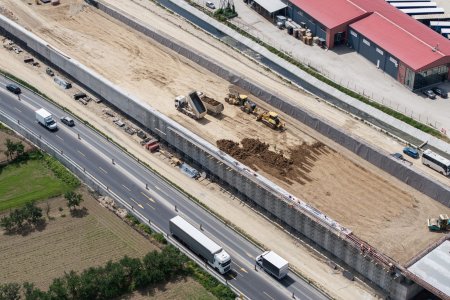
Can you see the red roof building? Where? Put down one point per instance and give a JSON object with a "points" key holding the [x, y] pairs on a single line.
{"points": [[397, 43]]}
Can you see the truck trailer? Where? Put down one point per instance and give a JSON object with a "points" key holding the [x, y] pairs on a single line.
{"points": [[200, 244], [273, 264], [45, 118]]}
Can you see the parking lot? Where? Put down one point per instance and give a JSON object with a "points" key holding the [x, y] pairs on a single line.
{"points": [[345, 66]]}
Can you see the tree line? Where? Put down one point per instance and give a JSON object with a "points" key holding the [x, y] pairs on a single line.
{"points": [[14, 150], [116, 279]]}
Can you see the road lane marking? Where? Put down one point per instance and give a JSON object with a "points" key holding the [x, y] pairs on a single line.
{"points": [[150, 206], [138, 204], [249, 255], [81, 153], [241, 268], [59, 137], [268, 295], [126, 188], [17, 109], [146, 196], [157, 188], [103, 170]]}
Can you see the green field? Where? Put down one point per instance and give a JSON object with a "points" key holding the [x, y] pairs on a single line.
{"points": [[28, 181]]}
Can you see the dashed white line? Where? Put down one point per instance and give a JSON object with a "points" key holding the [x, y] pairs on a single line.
{"points": [[17, 109], [146, 196], [81, 153], [103, 170], [59, 137], [138, 204], [126, 188], [150, 206]]}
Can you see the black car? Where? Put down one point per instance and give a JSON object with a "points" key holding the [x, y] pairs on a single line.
{"points": [[441, 92], [68, 121], [429, 94], [13, 89]]}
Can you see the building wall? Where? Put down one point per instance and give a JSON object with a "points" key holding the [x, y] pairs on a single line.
{"points": [[371, 51], [297, 15]]}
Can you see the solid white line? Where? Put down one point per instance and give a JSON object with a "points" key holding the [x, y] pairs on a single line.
{"points": [[268, 295]]}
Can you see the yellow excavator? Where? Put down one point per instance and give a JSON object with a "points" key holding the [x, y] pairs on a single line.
{"points": [[272, 120]]}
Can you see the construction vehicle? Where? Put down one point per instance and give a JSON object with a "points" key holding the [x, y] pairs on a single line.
{"points": [[245, 104], [234, 98], [191, 106], [213, 106], [440, 224], [272, 120]]}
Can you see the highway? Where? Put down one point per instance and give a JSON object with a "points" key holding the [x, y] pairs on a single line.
{"points": [[150, 195]]}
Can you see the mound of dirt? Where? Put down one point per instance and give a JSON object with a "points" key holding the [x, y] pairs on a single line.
{"points": [[256, 154]]}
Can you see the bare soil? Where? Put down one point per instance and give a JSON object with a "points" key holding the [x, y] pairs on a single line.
{"points": [[210, 100], [68, 243]]}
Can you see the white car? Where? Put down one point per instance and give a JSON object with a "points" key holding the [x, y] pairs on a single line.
{"points": [[210, 5]]}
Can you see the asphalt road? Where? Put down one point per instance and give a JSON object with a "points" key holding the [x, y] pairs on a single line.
{"points": [[150, 195]]}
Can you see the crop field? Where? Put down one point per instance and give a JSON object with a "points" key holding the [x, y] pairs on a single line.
{"points": [[68, 243]]}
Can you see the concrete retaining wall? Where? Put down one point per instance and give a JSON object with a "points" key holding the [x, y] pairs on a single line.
{"points": [[292, 212]]}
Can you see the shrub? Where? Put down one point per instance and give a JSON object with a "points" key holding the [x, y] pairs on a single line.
{"points": [[159, 237]]}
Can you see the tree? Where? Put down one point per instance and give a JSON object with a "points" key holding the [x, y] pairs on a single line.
{"points": [[6, 223], [10, 148], [10, 291], [33, 293], [19, 149], [32, 213], [73, 199], [17, 217]]}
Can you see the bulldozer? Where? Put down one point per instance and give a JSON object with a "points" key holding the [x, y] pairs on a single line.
{"points": [[440, 224], [272, 120]]}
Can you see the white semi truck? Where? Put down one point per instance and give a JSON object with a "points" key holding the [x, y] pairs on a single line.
{"points": [[273, 264], [46, 119], [200, 244]]}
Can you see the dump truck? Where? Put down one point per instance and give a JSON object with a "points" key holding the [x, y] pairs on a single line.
{"points": [[45, 118], [440, 224], [273, 264], [200, 244], [272, 120], [213, 106], [191, 106]]}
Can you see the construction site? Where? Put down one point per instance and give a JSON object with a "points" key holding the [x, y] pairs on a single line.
{"points": [[375, 206]]}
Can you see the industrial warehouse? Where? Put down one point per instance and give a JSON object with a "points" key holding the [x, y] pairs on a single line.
{"points": [[399, 45]]}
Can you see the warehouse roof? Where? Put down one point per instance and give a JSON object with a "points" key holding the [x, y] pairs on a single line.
{"points": [[330, 13], [434, 268], [405, 38], [397, 41], [271, 5]]}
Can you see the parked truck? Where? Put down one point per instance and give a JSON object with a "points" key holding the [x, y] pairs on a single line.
{"points": [[213, 106], [200, 244], [191, 105], [45, 118], [273, 264]]}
